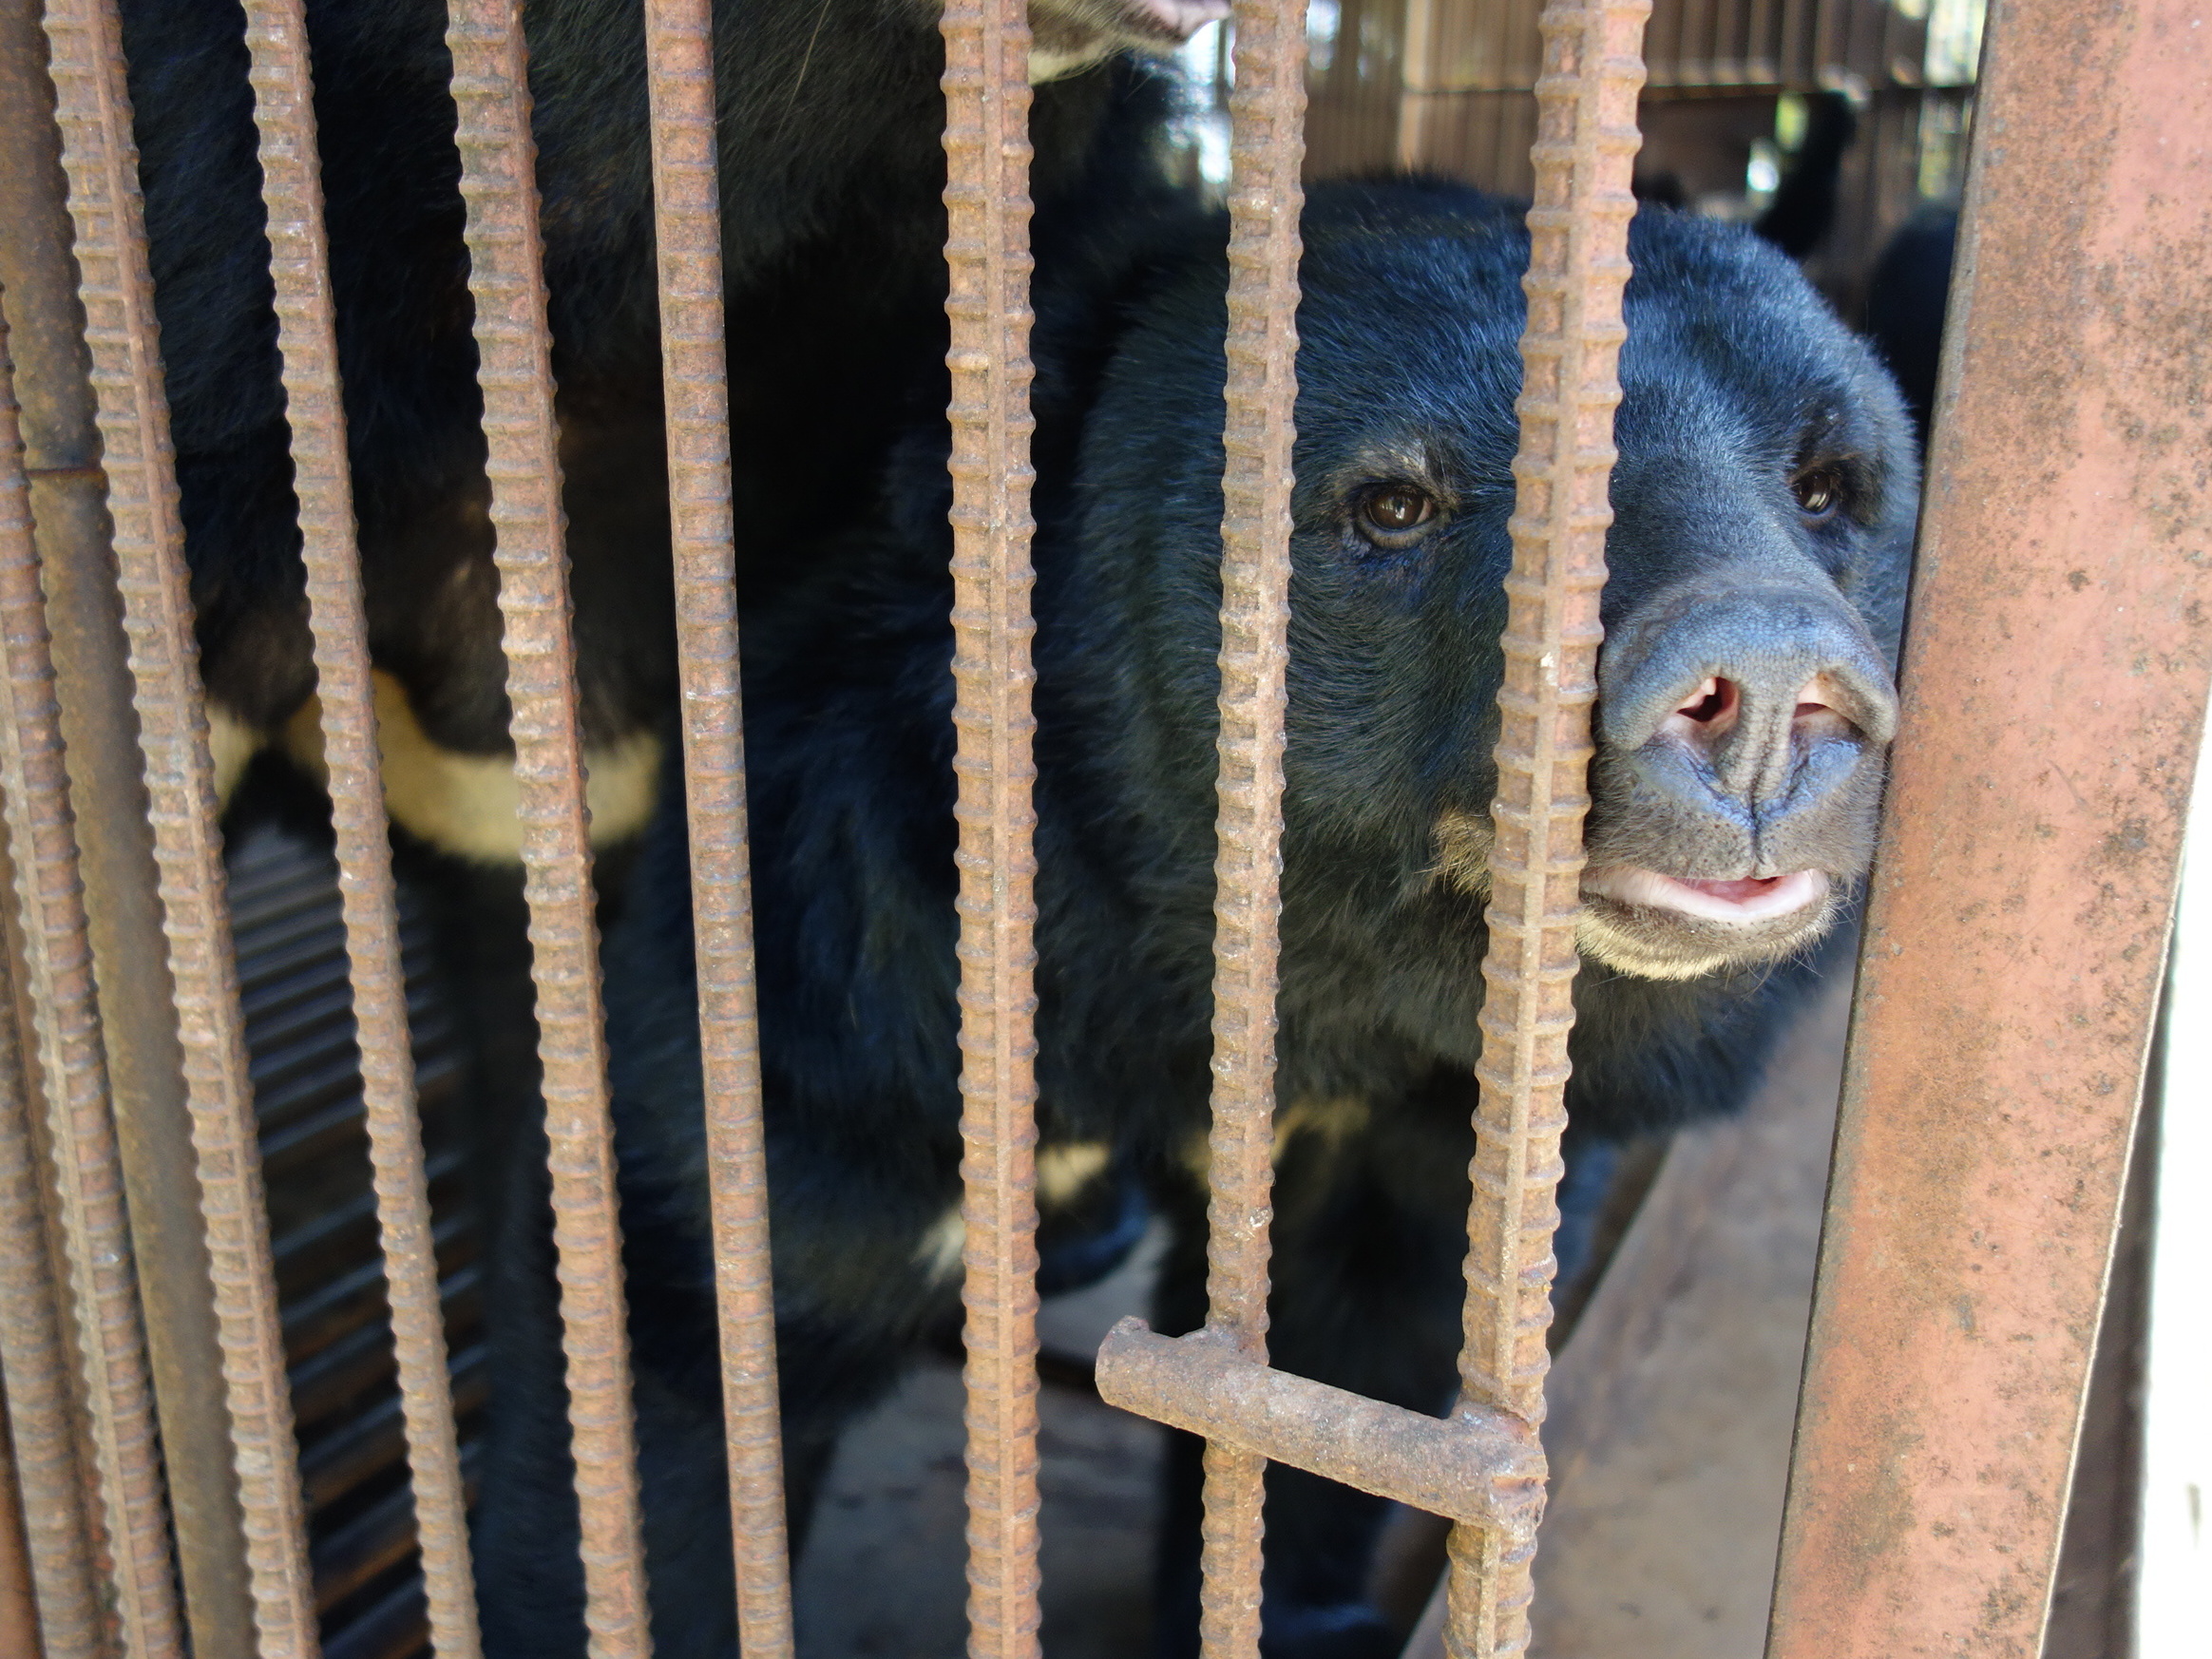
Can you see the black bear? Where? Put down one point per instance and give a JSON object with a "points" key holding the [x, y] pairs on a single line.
{"points": [[833, 227], [1765, 502]]}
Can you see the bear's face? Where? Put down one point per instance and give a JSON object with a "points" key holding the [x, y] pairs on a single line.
{"points": [[1764, 501]]}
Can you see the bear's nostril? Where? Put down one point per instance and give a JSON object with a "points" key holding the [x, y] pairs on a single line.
{"points": [[1706, 702], [1708, 712], [1817, 711]]}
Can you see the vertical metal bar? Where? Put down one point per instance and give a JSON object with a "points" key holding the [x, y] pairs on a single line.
{"points": [[687, 217], [2054, 682], [1830, 32], [117, 292], [1795, 53], [506, 278], [1417, 81], [1761, 58], [1268, 145], [115, 839], [34, 1362], [987, 252], [1694, 56], [307, 340], [73, 1072], [1586, 146]]}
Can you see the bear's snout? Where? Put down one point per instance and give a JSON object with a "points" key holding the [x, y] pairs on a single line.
{"points": [[1743, 724]]}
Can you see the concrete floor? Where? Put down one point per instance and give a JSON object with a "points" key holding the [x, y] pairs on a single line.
{"points": [[882, 1577]]}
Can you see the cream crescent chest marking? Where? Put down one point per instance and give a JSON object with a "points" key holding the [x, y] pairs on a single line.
{"points": [[469, 804]]}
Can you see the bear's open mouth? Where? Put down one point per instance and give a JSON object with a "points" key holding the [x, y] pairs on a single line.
{"points": [[1745, 900]]}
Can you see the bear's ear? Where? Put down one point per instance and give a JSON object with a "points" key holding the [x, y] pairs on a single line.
{"points": [[1069, 35]]}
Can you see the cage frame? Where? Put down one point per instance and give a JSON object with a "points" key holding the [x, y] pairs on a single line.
{"points": [[115, 859]]}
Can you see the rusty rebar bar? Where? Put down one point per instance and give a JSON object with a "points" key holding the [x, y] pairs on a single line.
{"points": [[1478, 1465], [61, 439], [506, 276], [307, 341], [41, 1418], [1579, 228], [72, 1075], [117, 289], [1268, 148], [687, 217], [987, 251]]}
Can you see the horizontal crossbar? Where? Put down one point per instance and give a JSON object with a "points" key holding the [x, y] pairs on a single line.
{"points": [[1478, 1465]]}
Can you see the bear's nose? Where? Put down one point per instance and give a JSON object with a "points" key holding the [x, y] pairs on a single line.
{"points": [[1748, 702], [1750, 736]]}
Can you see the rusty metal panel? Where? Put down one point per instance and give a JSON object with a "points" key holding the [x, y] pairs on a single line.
{"points": [[307, 340], [687, 216], [116, 289], [1268, 151], [1586, 146], [73, 1074], [506, 278], [2054, 680], [987, 252], [115, 839]]}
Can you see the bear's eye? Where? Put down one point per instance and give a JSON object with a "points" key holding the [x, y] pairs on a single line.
{"points": [[1393, 515], [1819, 491]]}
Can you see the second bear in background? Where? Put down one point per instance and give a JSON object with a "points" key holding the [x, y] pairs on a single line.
{"points": [[831, 176]]}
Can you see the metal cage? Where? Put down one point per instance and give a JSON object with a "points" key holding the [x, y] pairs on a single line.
{"points": [[2054, 683]]}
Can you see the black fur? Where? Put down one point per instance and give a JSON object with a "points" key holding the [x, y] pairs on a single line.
{"points": [[1409, 324], [832, 169], [1907, 295]]}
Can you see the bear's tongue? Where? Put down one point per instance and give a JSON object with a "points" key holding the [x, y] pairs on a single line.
{"points": [[1742, 899], [1735, 892]]}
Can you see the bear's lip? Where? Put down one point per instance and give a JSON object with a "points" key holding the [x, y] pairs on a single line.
{"points": [[1748, 899]]}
